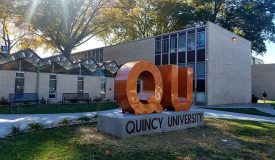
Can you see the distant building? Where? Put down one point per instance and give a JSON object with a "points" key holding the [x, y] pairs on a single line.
{"points": [[263, 80], [221, 62], [255, 61], [25, 72], [220, 59]]}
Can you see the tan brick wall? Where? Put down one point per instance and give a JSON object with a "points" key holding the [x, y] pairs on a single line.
{"points": [[92, 86], [228, 67], [263, 80], [30, 82], [133, 51], [7, 82], [44, 85], [65, 84], [110, 89]]}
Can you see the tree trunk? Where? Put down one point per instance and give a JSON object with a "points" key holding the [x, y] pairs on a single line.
{"points": [[67, 53]]}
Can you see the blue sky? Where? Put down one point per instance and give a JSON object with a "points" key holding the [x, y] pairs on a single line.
{"points": [[269, 57]]}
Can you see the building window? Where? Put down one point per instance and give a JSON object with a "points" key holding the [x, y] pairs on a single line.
{"points": [[94, 55], [19, 83], [103, 87], [139, 85], [181, 58], [165, 44], [157, 60], [192, 65], [80, 84], [158, 45], [191, 42], [191, 56], [97, 55], [101, 55], [182, 43], [200, 85], [173, 44], [173, 58], [165, 59], [52, 86], [201, 55], [200, 40], [201, 70]]}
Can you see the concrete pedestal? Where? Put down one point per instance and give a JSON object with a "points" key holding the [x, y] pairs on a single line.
{"points": [[127, 125]]}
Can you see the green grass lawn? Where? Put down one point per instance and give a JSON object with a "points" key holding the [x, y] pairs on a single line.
{"points": [[58, 108], [252, 111], [245, 140], [267, 102]]}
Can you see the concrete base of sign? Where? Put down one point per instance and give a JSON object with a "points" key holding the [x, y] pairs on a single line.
{"points": [[127, 125]]}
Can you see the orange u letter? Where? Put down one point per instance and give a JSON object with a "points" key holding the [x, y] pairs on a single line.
{"points": [[178, 87]]}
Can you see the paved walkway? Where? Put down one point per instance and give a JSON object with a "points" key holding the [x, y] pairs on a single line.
{"points": [[267, 108], [230, 115], [22, 120], [7, 120]]}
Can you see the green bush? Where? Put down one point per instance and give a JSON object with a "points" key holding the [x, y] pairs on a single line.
{"points": [[84, 119], [4, 101], [65, 121], [35, 126], [16, 130]]}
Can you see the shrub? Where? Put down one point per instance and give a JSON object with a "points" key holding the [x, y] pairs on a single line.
{"points": [[84, 119], [16, 130], [254, 99], [35, 126], [65, 121], [4, 101], [97, 99]]}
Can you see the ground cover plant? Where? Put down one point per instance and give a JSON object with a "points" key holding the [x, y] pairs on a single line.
{"points": [[252, 111], [58, 108], [217, 139]]}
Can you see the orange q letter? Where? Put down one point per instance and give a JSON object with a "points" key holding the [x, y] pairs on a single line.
{"points": [[178, 87], [146, 102]]}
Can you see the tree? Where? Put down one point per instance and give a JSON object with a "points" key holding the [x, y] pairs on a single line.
{"points": [[252, 19], [66, 24], [7, 27], [135, 19], [13, 32], [128, 20]]}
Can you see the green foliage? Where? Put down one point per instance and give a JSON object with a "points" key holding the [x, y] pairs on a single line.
{"points": [[16, 130], [130, 20], [65, 24], [65, 121], [84, 119], [59, 108], [35, 126], [4, 101], [14, 32]]}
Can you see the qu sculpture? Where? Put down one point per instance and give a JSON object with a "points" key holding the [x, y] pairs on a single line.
{"points": [[166, 91], [169, 87]]}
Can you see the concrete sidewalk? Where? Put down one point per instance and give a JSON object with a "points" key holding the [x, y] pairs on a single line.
{"points": [[238, 116], [267, 108], [8, 120], [22, 120]]}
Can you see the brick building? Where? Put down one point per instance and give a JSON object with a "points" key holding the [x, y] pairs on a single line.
{"points": [[221, 60]]}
